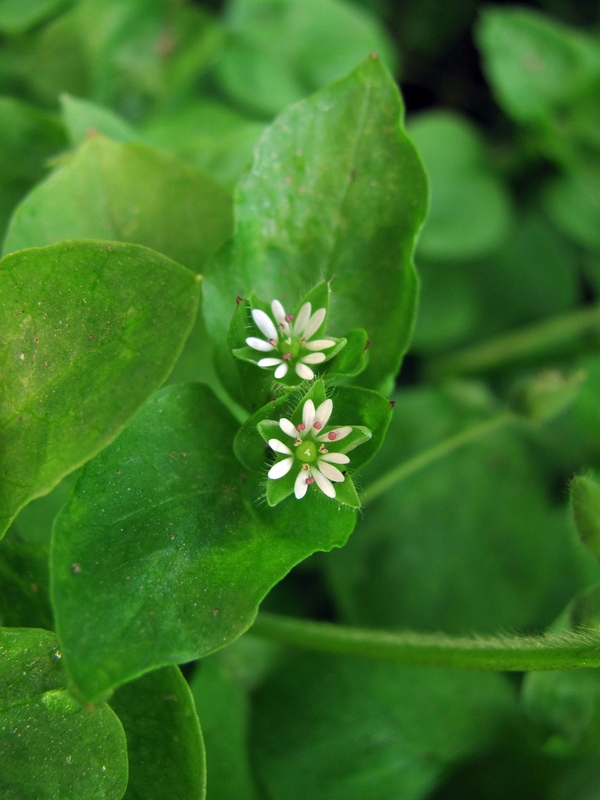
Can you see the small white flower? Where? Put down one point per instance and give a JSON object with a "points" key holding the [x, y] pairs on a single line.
{"points": [[289, 340], [308, 452]]}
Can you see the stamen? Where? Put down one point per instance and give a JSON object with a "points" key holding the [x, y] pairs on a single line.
{"points": [[298, 442], [303, 341], [289, 317], [310, 480], [323, 449], [316, 425], [287, 356], [272, 342], [300, 426], [304, 467], [281, 327], [332, 435]]}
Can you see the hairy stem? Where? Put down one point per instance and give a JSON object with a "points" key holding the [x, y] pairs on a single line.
{"points": [[402, 471], [527, 342], [568, 650]]}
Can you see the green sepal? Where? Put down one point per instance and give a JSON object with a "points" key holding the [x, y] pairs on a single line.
{"points": [[345, 493], [249, 447], [353, 359], [256, 385], [281, 488]]}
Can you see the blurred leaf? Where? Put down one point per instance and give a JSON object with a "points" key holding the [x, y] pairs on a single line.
{"points": [[335, 185], [28, 138], [544, 74], [24, 584], [144, 53], [573, 201], [213, 137], [584, 493], [84, 119], [223, 708], [85, 346], [279, 51], [193, 548], [470, 211], [469, 544], [49, 745], [34, 522], [349, 728], [164, 743], [18, 16], [126, 192], [428, 27]]}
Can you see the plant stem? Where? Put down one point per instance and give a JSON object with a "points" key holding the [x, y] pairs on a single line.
{"points": [[568, 650], [425, 458], [527, 342]]}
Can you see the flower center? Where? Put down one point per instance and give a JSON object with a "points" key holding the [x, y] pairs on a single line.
{"points": [[307, 452], [290, 347]]}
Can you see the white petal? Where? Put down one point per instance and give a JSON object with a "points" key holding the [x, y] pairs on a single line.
{"points": [[269, 362], [302, 319], [308, 415], [313, 358], [265, 323], [281, 370], [301, 486], [278, 311], [304, 372], [288, 427], [320, 344], [323, 412], [330, 471], [335, 458], [280, 447], [280, 468], [323, 483], [340, 433], [315, 323], [259, 344]]}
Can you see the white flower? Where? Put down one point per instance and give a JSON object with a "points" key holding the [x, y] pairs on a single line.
{"points": [[289, 340], [308, 453]]}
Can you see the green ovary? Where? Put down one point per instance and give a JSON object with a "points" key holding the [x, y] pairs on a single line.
{"points": [[307, 452]]}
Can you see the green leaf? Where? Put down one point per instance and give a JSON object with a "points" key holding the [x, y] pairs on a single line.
{"points": [[336, 192], [470, 211], [224, 709], [584, 493], [24, 584], [474, 536], [210, 135], [193, 548], [126, 192], [341, 728], [84, 119], [49, 745], [537, 67], [573, 202], [18, 16], [279, 51], [164, 742], [28, 138], [92, 330]]}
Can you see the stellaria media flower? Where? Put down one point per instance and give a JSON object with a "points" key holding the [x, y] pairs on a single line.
{"points": [[289, 340], [316, 449]]}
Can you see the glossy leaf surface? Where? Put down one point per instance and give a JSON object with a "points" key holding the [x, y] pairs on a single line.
{"points": [[193, 547], [93, 329], [336, 191], [164, 742], [49, 745]]}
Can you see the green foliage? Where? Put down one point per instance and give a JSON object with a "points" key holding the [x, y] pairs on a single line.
{"points": [[117, 313], [68, 750], [254, 156]]}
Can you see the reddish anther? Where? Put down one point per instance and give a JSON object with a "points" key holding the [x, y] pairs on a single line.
{"points": [[317, 426], [287, 356], [310, 480], [289, 317], [300, 426], [332, 435]]}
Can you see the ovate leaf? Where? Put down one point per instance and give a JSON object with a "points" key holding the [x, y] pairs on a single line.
{"points": [[127, 193], [90, 330], [336, 191], [164, 742], [193, 546], [50, 746]]}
